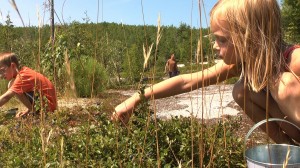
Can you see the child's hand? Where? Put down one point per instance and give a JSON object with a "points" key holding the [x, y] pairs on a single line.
{"points": [[121, 114], [122, 117], [22, 113], [124, 110]]}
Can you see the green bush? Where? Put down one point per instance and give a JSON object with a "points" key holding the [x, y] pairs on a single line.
{"points": [[85, 137], [88, 75], [232, 80], [3, 86]]}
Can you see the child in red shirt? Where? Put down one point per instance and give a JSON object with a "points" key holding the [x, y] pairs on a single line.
{"points": [[27, 85]]}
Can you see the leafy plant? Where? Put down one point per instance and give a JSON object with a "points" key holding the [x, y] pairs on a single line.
{"points": [[89, 76], [85, 137]]}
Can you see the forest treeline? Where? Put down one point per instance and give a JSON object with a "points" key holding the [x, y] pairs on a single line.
{"points": [[107, 51], [89, 57]]}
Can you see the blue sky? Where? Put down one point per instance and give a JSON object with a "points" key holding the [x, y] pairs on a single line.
{"points": [[172, 12]]}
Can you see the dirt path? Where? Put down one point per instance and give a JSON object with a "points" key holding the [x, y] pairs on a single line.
{"points": [[211, 102]]}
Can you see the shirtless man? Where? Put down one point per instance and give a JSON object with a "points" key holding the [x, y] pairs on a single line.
{"points": [[171, 66]]}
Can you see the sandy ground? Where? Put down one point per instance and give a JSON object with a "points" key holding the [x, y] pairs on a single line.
{"points": [[208, 103]]}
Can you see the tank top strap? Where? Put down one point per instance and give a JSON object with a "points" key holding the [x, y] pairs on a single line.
{"points": [[288, 51]]}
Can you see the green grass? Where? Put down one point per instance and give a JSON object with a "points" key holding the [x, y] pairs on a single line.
{"points": [[85, 137]]}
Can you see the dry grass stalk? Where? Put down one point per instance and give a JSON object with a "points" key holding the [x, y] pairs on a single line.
{"points": [[147, 55], [287, 158], [14, 5], [159, 30], [70, 74], [198, 51], [1, 16], [158, 37], [45, 142], [61, 152]]}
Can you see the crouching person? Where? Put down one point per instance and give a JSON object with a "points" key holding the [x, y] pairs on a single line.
{"points": [[26, 85]]}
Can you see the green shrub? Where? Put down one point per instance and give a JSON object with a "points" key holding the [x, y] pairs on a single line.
{"points": [[232, 80], [88, 75], [3, 86], [83, 137]]}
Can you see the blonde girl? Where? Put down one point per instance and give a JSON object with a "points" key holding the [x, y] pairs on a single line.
{"points": [[249, 40]]}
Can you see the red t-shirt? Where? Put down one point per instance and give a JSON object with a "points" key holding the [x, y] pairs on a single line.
{"points": [[29, 80]]}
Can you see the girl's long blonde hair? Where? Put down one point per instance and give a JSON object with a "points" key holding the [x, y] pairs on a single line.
{"points": [[256, 33]]}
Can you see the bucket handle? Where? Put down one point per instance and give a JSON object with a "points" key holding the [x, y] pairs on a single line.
{"points": [[264, 121]]}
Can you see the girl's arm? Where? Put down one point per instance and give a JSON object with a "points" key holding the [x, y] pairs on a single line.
{"points": [[177, 85]]}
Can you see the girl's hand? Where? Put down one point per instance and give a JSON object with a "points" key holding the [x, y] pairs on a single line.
{"points": [[121, 116], [124, 110]]}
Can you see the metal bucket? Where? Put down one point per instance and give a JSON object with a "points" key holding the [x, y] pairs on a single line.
{"points": [[272, 155]]}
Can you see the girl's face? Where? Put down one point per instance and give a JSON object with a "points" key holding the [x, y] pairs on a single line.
{"points": [[223, 45]]}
